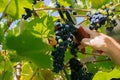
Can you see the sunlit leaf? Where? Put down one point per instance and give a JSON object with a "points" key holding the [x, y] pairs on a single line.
{"points": [[31, 47], [115, 73], [98, 3]]}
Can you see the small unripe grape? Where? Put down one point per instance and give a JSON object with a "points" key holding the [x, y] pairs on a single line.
{"points": [[114, 17], [103, 7], [110, 11], [107, 6], [104, 12], [101, 11], [60, 40], [110, 17], [98, 24]]}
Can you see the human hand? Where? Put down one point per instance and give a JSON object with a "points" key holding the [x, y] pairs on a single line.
{"points": [[98, 41]]}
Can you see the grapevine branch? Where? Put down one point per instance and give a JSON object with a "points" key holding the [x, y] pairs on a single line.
{"points": [[3, 14], [117, 5], [93, 61], [99, 61], [76, 9]]}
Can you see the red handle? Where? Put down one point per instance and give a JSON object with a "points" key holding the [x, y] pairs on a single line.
{"points": [[82, 31]]}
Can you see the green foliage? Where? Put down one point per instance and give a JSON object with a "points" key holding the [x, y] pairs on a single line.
{"points": [[1, 34], [115, 73], [30, 46]]}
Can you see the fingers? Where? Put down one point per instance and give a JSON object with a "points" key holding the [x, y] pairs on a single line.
{"points": [[92, 33], [86, 41]]}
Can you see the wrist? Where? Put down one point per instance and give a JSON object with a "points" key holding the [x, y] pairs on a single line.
{"points": [[113, 48]]}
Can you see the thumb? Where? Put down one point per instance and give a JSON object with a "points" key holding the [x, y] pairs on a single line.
{"points": [[86, 41]]}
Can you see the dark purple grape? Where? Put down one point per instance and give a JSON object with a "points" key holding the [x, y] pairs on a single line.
{"points": [[113, 8], [74, 13], [91, 27], [114, 22], [78, 71], [109, 29]]}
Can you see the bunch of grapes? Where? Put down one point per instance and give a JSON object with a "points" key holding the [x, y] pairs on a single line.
{"points": [[78, 71], [73, 48], [64, 40], [106, 14]]}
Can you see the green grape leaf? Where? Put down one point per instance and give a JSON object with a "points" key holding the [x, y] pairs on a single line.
{"points": [[65, 2], [41, 26], [26, 70], [115, 73], [8, 75], [104, 65], [92, 67], [29, 46], [67, 56], [2, 5], [98, 4]]}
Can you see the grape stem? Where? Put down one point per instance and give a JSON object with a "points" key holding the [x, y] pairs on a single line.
{"points": [[117, 5], [98, 61], [80, 15], [93, 54], [66, 74]]}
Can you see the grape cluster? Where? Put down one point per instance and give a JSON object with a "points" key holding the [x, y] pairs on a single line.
{"points": [[28, 13], [99, 18], [73, 48], [64, 40], [78, 71]]}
